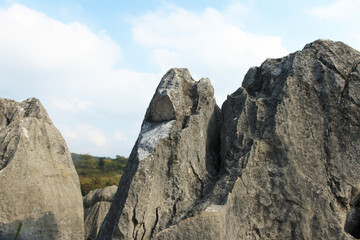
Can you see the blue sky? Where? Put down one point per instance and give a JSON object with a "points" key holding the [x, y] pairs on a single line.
{"points": [[95, 64]]}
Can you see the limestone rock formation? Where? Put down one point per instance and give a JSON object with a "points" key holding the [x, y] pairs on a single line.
{"points": [[38, 182], [173, 163], [289, 150], [286, 166], [96, 205]]}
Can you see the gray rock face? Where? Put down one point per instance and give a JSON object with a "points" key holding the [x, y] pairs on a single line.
{"points": [[96, 205], [289, 154], [173, 163], [290, 151], [38, 182]]}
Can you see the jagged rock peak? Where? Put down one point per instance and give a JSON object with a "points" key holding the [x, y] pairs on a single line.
{"points": [[13, 113], [286, 165], [289, 151], [173, 161], [177, 96], [336, 56], [38, 182]]}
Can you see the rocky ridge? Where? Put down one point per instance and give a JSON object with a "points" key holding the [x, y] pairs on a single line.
{"points": [[39, 186], [280, 162]]}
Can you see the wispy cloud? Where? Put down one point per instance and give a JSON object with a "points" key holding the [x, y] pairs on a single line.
{"points": [[339, 11], [71, 69], [119, 136], [206, 42], [34, 42], [342, 16], [73, 105], [95, 105], [85, 138]]}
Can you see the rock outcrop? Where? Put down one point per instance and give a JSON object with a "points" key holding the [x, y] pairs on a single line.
{"points": [[286, 166], [174, 162], [96, 205], [38, 182]]}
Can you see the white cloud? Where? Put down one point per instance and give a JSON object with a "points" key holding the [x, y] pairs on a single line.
{"points": [[340, 11], [119, 136], [71, 70], [94, 135], [206, 43], [93, 140], [65, 62], [33, 41], [340, 18], [84, 133], [73, 105], [69, 133]]}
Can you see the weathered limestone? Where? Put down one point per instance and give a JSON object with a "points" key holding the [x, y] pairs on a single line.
{"points": [[38, 182], [96, 205], [173, 163], [290, 150], [286, 166]]}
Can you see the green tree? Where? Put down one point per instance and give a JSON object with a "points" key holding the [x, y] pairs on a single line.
{"points": [[88, 161], [109, 165], [121, 162], [101, 163]]}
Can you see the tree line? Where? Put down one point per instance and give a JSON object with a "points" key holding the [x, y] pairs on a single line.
{"points": [[98, 172], [107, 164]]}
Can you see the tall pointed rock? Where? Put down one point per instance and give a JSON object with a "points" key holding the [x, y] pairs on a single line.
{"points": [[173, 163], [290, 151], [39, 186]]}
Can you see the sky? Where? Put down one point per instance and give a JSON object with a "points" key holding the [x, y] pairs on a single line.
{"points": [[95, 65]]}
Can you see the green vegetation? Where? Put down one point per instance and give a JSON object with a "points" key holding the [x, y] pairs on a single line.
{"points": [[98, 172], [18, 230]]}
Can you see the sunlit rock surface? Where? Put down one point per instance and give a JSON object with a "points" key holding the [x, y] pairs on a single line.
{"points": [[285, 166], [38, 182], [174, 162]]}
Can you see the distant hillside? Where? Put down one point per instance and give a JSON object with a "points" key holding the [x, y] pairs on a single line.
{"points": [[78, 157], [98, 172]]}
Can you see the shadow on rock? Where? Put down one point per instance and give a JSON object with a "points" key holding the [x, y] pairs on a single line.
{"points": [[44, 228], [352, 224]]}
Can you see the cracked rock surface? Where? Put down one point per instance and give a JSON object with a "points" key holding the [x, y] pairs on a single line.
{"points": [[286, 165], [38, 182], [173, 163]]}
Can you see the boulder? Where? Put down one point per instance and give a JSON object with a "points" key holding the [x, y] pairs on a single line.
{"points": [[39, 186], [96, 205]]}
